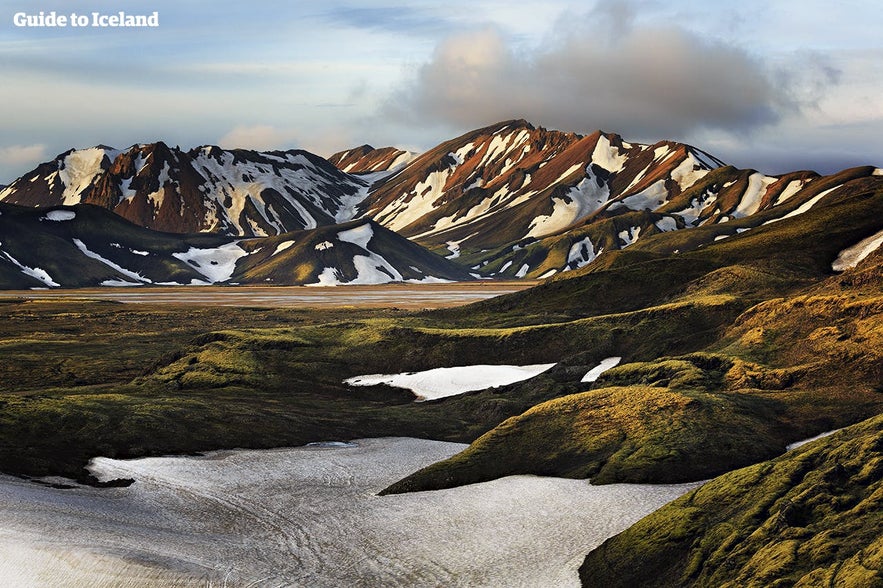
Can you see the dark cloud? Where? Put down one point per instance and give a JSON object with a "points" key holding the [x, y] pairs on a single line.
{"points": [[604, 71]]}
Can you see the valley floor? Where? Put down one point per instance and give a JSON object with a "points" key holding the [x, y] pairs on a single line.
{"points": [[406, 296]]}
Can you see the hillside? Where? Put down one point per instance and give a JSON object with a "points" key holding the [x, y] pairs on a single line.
{"points": [[85, 245], [775, 349], [811, 517]]}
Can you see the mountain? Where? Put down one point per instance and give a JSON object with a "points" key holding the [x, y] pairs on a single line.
{"points": [[511, 200], [365, 159], [86, 245], [506, 201], [208, 189]]}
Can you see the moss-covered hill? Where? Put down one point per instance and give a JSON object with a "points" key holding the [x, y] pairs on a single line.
{"points": [[812, 517], [804, 355]]}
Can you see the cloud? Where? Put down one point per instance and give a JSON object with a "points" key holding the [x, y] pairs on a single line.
{"points": [[20, 155], [604, 71], [259, 137]]}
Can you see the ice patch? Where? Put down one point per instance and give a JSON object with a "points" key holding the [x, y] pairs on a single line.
{"points": [[593, 374], [60, 215], [851, 256], [216, 264], [443, 382]]}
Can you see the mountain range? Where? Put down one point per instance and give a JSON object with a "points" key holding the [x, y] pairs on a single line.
{"points": [[743, 313], [505, 201]]}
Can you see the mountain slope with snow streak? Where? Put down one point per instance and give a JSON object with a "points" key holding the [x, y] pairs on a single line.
{"points": [[208, 189], [86, 246], [506, 201], [365, 159]]}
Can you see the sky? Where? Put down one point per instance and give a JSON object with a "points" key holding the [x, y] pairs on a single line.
{"points": [[775, 86]]}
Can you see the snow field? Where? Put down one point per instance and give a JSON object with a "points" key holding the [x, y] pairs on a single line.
{"points": [[309, 516]]}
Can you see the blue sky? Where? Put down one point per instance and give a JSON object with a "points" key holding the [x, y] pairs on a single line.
{"points": [[776, 86]]}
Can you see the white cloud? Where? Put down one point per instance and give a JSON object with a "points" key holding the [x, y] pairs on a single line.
{"points": [[259, 137], [18, 155], [644, 82]]}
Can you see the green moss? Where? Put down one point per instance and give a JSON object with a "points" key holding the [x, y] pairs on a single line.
{"points": [[810, 516]]}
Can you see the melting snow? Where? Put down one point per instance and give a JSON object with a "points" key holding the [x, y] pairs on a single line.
{"points": [[751, 199], [33, 272], [851, 256], [283, 246], [91, 254], [629, 236], [60, 215], [324, 245], [216, 264], [608, 157], [803, 207], [790, 190], [581, 253], [523, 271], [667, 224], [80, 169], [309, 516], [594, 373], [443, 382], [803, 442]]}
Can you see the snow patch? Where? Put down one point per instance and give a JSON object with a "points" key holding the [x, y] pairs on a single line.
{"points": [[851, 256], [803, 207], [216, 264], [324, 245], [522, 271], [581, 253], [608, 157], [444, 382], [282, 247], [803, 442], [33, 272], [79, 170], [751, 199], [114, 266], [790, 190], [629, 236], [650, 198], [328, 277], [667, 224], [60, 215], [594, 373]]}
